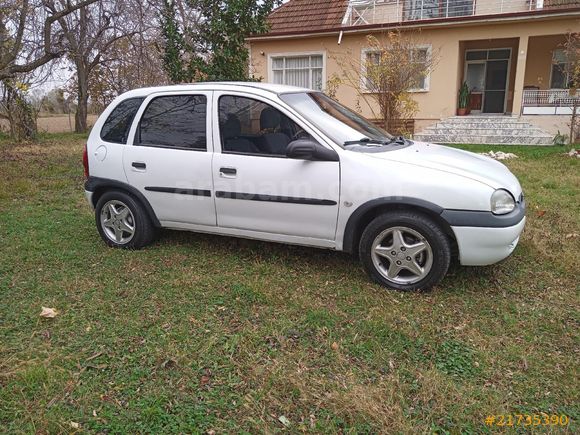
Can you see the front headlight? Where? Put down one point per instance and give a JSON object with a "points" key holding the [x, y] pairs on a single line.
{"points": [[502, 202]]}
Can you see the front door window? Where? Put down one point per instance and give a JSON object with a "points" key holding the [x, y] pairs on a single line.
{"points": [[249, 126]]}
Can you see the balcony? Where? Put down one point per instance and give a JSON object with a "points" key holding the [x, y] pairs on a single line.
{"points": [[368, 12], [549, 102]]}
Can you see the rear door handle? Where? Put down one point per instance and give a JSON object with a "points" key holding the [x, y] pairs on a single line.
{"points": [[139, 165], [228, 172]]}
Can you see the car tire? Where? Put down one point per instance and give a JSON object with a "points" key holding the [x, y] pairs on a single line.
{"points": [[122, 221], [405, 250]]}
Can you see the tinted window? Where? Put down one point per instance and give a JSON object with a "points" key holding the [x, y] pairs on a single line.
{"points": [[177, 121], [252, 127], [117, 126]]}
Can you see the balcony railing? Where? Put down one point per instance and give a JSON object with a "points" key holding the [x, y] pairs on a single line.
{"points": [[362, 12], [550, 102]]}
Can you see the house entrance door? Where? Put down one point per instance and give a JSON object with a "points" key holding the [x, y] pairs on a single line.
{"points": [[487, 76], [495, 86]]}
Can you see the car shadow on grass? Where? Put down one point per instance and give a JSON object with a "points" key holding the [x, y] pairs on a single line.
{"points": [[341, 265]]}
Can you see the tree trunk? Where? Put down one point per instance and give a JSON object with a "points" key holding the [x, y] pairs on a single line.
{"points": [[573, 121], [20, 114], [82, 100]]}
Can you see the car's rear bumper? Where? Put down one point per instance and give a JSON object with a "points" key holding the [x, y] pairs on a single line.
{"points": [[481, 246], [89, 196]]}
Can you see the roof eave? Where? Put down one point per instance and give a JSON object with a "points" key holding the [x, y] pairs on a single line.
{"points": [[454, 21]]}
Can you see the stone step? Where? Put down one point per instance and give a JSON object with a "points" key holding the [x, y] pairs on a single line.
{"points": [[514, 125], [484, 139], [487, 131], [483, 119]]}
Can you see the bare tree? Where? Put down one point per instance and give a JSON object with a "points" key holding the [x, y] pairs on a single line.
{"points": [[393, 65], [132, 62], [572, 72], [90, 32], [30, 35]]}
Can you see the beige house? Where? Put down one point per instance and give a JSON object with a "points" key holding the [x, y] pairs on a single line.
{"points": [[510, 52]]}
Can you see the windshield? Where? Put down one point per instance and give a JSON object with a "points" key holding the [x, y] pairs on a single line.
{"points": [[324, 112]]}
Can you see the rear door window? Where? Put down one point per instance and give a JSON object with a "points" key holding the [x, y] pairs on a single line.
{"points": [[116, 127], [174, 121]]}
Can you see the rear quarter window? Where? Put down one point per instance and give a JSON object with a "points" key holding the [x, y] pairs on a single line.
{"points": [[116, 127]]}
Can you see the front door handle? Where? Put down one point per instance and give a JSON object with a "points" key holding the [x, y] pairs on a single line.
{"points": [[228, 172], [139, 165]]}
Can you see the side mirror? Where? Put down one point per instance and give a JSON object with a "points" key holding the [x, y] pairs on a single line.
{"points": [[307, 149]]}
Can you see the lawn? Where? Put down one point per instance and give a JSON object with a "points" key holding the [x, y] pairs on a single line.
{"points": [[211, 334]]}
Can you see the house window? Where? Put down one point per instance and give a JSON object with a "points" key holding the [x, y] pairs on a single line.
{"points": [[419, 55], [560, 78], [303, 71]]}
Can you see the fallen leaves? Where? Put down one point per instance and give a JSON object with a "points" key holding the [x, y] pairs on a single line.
{"points": [[284, 420], [48, 313], [205, 378], [169, 364]]}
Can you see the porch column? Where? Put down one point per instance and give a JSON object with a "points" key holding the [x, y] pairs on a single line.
{"points": [[520, 74]]}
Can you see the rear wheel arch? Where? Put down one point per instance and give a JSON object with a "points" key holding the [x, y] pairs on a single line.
{"points": [[100, 186], [368, 211]]}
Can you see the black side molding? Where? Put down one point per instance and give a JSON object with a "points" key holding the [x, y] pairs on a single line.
{"points": [[179, 191], [94, 184], [272, 198]]}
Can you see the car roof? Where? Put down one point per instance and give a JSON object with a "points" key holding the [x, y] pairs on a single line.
{"points": [[216, 86]]}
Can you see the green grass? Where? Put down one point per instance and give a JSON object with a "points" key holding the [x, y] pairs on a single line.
{"points": [[202, 333]]}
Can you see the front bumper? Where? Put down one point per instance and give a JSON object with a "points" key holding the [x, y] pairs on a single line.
{"points": [[481, 246]]}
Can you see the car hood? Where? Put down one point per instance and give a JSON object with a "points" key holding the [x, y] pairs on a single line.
{"points": [[459, 162]]}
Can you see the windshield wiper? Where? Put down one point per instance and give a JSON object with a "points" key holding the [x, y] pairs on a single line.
{"points": [[365, 141], [400, 140]]}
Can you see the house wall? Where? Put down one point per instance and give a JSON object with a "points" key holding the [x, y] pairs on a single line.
{"points": [[447, 41], [550, 123]]}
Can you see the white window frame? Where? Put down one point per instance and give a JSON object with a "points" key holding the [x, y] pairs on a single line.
{"points": [[552, 63], [366, 51], [272, 56]]}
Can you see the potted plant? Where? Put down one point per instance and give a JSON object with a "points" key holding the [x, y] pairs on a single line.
{"points": [[463, 106]]}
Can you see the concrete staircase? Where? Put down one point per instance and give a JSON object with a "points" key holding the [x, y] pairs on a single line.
{"points": [[481, 129]]}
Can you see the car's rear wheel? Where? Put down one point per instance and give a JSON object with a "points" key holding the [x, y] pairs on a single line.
{"points": [[405, 251], [122, 222]]}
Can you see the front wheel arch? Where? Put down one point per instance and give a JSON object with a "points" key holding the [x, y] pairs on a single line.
{"points": [[365, 214]]}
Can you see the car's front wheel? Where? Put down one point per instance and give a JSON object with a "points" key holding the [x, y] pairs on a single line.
{"points": [[405, 251], [122, 222]]}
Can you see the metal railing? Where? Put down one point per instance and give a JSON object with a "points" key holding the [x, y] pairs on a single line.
{"points": [[549, 102], [362, 12]]}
